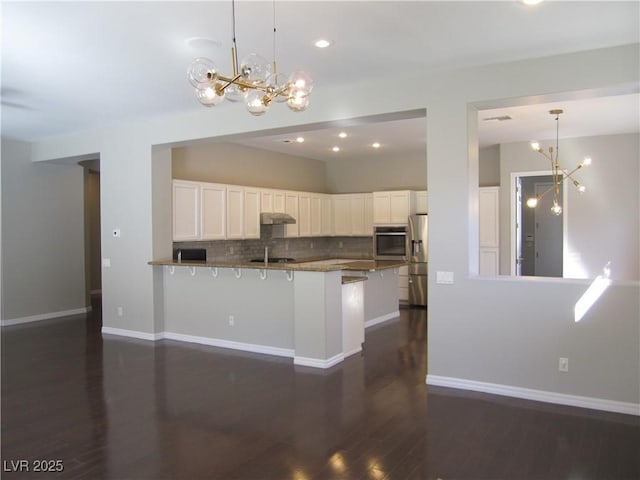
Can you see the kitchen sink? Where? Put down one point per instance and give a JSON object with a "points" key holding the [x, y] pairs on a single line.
{"points": [[274, 260]]}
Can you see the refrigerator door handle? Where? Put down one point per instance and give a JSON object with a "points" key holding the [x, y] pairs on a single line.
{"points": [[415, 247]]}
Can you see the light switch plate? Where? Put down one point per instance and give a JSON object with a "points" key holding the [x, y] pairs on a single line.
{"points": [[444, 278]]}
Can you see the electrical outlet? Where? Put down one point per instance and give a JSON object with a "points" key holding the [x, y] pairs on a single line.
{"points": [[232, 320], [230, 250], [339, 244], [563, 364], [120, 311]]}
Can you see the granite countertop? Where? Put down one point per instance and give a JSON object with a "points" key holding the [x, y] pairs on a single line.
{"points": [[307, 265]]}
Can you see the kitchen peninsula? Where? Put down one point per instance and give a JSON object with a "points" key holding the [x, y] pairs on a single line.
{"points": [[313, 311]]}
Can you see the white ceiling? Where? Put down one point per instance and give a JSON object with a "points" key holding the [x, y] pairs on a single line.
{"points": [[69, 66]]}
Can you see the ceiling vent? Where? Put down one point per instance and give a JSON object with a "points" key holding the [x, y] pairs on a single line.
{"points": [[500, 118]]}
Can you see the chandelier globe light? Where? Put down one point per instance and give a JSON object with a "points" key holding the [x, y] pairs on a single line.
{"points": [[254, 81], [558, 173]]}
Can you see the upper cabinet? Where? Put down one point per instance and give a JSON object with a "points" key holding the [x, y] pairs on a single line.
{"points": [[352, 214], [186, 210], [291, 206], [489, 230], [422, 202], [251, 220], [213, 211], [393, 208], [272, 201], [213, 205]]}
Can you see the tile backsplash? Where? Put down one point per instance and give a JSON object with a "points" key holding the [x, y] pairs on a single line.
{"points": [[298, 248]]}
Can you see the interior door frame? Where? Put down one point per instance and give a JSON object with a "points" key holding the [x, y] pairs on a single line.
{"points": [[513, 205]]}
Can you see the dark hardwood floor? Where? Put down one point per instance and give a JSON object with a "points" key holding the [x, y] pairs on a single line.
{"points": [[126, 409]]}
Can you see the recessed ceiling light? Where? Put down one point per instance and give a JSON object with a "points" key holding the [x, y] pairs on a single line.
{"points": [[300, 139], [323, 43], [375, 145], [342, 134], [336, 149], [531, 2]]}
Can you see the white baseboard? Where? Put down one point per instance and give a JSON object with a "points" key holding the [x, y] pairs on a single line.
{"points": [[216, 342], [317, 362], [44, 316], [383, 318], [121, 332], [537, 395]]}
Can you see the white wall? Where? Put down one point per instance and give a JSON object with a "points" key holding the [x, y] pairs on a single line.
{"points": [[473, 325], [603, 224], [347, 175], [240, 165], [489, 173], [42, 236]]}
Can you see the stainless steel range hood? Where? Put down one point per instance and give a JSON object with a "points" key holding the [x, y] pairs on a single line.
{"points": [[276, 218]]}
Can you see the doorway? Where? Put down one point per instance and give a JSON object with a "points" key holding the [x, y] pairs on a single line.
{"points": [[538, 234]]}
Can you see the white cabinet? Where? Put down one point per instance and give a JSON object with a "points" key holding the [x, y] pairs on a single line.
{"points": [[291, 207], [251, 220], [213, 201], [393, 208], [403, 284], [353, 214], [368, 214], [304, 214], [489, 229], [327, 216], [235, 211], [316, 214], [422, 202], [186, 210], [272, 201], [198, 211], [357, 205], [341, 215]]}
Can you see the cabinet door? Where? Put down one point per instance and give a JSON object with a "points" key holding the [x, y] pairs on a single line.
{"points": [[358, 215], [251, 213], [304, 214], [291, 207], [422, 202], [279, 201], [186, 210], [341, 215], [316, 215], [381, 208], [235, 211], [400, 207], [489, 261], [266, 201], [327, 216], [368, 214], [488, 220], [213, 211]]}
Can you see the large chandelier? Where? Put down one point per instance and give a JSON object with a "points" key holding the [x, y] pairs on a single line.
{"points": [[559, 174], [253, 80]]}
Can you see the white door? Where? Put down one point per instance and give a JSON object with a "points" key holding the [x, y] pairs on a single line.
{"points": [[291, 207]]}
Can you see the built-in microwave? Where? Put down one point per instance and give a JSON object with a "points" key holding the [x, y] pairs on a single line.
{"points": [[390, 242]]}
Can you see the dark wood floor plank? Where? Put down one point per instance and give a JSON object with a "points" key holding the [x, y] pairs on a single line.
{"points": [[128, 409]]}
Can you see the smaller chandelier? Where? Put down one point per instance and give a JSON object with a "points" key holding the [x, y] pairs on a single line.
{"points": [[558, 173], [253, 80]]}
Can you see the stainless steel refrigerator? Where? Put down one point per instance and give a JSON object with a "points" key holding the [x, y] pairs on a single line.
{"points": [[418, 258]]}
